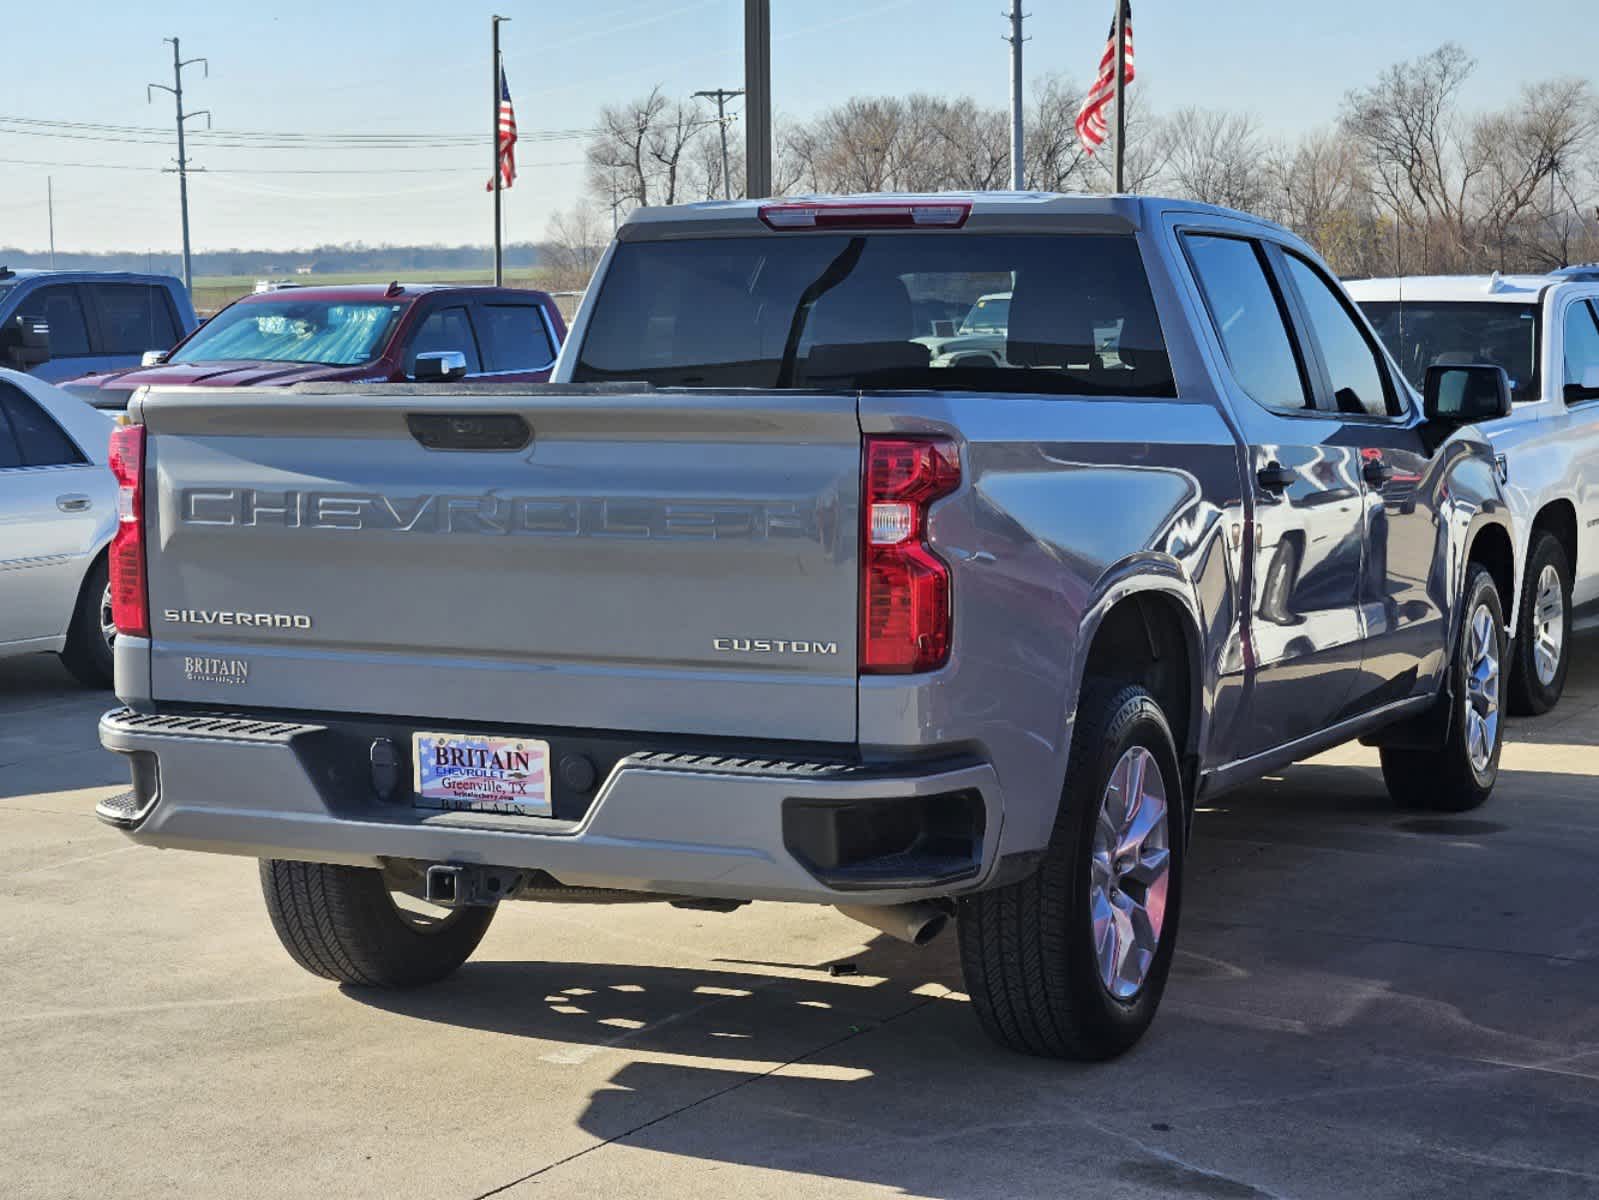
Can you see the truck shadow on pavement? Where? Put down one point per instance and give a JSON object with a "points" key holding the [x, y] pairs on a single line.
{"points": [[1393, 988]]}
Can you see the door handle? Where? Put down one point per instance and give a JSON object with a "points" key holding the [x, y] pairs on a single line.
{"points": [[1376, 472], [1275, 477], [74, 502]]}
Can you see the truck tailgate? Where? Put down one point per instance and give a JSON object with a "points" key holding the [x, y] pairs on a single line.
{"points": [[651, 561]]}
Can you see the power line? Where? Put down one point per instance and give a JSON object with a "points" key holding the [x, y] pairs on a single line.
{"points": [[37, 162], [260, 138]]}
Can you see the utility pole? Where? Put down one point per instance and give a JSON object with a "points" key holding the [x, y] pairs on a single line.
{"points": [[178, 63], [758, 98], [50, 202], [1018, 170], [499, 85], [722, 96], [1121, 96]]}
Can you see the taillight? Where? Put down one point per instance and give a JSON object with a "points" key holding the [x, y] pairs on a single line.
{"points": [[130, 608], [905, 601]]}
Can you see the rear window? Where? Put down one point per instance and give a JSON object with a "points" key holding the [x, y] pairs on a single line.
{"points": [[1061, 314]]}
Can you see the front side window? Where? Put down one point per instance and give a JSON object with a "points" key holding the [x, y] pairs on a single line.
{"points": [[134, 317], [326, 332], [1582, 344], [1064, 314], [1353, 364], [1249, 320], [444, 329], [1422, 333], [514, 338], [39, 441], [63, 312]]}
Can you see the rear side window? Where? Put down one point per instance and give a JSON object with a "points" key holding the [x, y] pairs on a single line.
{"points": [[134, 317], [1067, 313], [514, 337], [39, 440], [1250, 321], [444, 329], [1582, 342], [10, 452], [63, 311], [1354, 371]]}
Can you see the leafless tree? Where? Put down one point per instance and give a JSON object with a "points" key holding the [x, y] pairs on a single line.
{"points": [[573, 245], [1217, 157]]}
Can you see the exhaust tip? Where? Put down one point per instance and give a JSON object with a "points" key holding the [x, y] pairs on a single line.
{"points": [[917, 923]]}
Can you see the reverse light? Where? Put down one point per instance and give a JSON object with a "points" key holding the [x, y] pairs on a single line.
{"points": [[906, 621], [869, 214], [130, 608]]}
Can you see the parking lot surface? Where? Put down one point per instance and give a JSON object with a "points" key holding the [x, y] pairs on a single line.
{"points": [[1366, 1002]]}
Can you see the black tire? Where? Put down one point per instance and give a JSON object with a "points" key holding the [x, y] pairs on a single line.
{"points": [[87, 653], [1530, 696], [1028, 949], [1446, 779], [342, 924]]}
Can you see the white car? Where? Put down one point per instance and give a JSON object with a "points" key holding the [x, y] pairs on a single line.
{"points": [[1544, 331], [58, 510]]}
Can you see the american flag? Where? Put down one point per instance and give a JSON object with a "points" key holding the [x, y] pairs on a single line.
{"points": [[1091, 126], [507, 137]]}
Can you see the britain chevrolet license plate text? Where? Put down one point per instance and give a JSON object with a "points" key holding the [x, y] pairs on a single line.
{"points": [[481, 774]]}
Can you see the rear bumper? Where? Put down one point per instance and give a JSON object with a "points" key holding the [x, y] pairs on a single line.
{"points": [[694, 825]]}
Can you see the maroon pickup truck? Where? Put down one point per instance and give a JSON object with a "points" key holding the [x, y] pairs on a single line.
{"points": [[363, 333]]}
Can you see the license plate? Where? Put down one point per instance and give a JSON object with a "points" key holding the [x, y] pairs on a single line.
{"points": [[481, 774]]}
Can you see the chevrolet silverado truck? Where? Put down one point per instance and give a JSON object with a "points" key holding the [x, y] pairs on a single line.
{"points": [[1544, 331], [752, 601]]}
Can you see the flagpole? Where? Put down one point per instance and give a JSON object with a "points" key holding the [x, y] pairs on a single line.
{"points": [[499, 268], [1121, 90]]}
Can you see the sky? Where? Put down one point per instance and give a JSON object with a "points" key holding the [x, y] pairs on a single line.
{"points": [[421, 67]]}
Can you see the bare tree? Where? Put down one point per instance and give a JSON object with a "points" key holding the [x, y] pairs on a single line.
{"points": [[1217, 157], [573, 245], [1056, 160], [1423, 160], [640, 147]]}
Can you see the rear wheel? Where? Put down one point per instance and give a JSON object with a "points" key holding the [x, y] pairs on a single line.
{"points": [[346, 924], [1543, 638], [1071, 962], [1460, 775], [87, 653]]}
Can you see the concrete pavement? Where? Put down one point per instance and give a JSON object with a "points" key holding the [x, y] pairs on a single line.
{"points": [[1366, 1003]]}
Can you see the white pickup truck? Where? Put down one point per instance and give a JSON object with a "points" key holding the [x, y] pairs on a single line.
{"points": [[1544, 331]]}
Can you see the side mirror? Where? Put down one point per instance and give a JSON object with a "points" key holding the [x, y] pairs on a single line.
{"points": [[25, 342], [1588, 389], [439, 366], [153, 358], [1465, 393]]}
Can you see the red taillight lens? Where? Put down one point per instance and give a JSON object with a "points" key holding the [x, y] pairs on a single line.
{"points": [[130, 608], [867, 214], [905, 602]]}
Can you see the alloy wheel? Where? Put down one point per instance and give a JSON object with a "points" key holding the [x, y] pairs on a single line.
{"points": [[1130, 871], [1482, 689], [1548, 624], [108, 621]]}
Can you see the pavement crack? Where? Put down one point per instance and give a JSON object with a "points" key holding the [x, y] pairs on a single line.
{"points": [[707, 1098]]}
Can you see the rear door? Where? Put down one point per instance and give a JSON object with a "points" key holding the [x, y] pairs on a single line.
{"points": [[1304, 630], [670, 561], [1401, 585], [46, 520]]}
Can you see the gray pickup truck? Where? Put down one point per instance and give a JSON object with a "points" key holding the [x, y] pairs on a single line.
{"points": [[755, 601]]}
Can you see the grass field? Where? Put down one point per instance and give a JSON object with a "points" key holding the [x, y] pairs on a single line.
{"points": [[211, 292]]}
